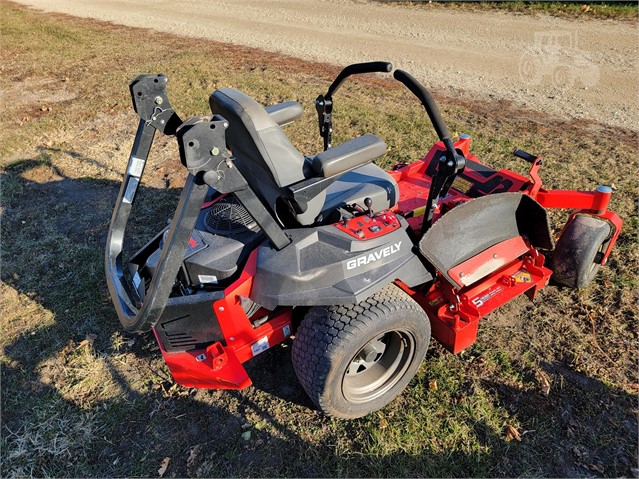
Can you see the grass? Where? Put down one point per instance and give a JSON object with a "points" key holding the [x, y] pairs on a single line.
{"points": [[622, 11], [78, 405]]}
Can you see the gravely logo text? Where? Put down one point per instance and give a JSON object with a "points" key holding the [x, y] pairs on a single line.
{"points": [[375, 256]]}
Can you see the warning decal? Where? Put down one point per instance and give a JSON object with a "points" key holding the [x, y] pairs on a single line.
{"points": [[522, 276], [260, 346], [462, 185]]}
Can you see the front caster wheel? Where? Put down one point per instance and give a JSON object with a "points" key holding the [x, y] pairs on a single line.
{"points": [[352, 360], [578, 253]]}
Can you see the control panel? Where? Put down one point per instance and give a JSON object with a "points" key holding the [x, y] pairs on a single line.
{"points": [[368, 226]]}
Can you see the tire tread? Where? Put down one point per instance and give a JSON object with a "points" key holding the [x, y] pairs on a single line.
{"points": [[328, 329]]}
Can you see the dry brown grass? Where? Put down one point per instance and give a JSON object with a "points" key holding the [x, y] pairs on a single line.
{"points": [[585, 10], [70, 408]]}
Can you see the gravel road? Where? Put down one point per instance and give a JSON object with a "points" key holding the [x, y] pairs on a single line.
{"points": [[584, 69]]}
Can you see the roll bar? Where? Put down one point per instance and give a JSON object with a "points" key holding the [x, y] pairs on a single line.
{"points": [[202, 143], [136, 310]]}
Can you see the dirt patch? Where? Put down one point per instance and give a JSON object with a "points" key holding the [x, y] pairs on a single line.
{"points": [[33, 92], [578, 69]]}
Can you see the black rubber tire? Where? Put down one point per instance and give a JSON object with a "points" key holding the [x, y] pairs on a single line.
{"points": [[331, 338], [577, 256]]}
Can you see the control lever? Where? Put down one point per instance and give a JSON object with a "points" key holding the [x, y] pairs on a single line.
{"points": [[369, 203], [448, 168], [358, 208], [535, 163], [525, 155], [451, 163]]}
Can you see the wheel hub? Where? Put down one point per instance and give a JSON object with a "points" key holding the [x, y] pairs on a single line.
{"points": [[367, 357], [378, 366]]}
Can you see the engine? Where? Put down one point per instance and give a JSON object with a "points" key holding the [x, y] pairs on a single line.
{"points": [[224, 235]]}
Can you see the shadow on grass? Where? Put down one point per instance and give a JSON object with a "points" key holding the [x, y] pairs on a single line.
{"points": [[582, 428], [57, 421], [112, 410]]}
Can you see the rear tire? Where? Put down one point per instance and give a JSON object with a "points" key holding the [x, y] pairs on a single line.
{"points": [[355, 359], [577, 256]]}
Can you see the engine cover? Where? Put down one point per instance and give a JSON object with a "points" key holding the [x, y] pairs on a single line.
{"points": [[224, 235], [327, 266]]}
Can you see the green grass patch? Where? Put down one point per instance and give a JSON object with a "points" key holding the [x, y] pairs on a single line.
{"points": [[622, 11], [82, 398]]}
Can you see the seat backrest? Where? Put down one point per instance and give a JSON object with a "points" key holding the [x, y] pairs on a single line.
{"points": [[265, 156]]}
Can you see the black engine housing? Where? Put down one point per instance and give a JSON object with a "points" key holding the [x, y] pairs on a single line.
{"points": [[224, 235]]}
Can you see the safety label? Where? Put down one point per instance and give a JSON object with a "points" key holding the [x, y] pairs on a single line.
{"points": [[522, 276], [137, 166], [207, 278], [462, 185], [260, 346], [131, 188]]}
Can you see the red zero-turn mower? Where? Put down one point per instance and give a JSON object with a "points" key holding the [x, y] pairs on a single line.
{"points": [[360, 265]]}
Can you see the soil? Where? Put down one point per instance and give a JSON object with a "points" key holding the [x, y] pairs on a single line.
{"points": [[581, 69]]}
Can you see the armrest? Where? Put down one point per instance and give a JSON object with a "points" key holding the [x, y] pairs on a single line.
{"points": [[348, 155], [285, 113]]}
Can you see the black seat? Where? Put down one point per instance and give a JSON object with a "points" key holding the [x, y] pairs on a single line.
{"points": [[272, 165]]}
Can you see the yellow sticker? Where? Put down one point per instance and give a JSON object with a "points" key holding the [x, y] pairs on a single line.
{"points": [[417, 212], [433, 303], [522, 276], [462, 185]]}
